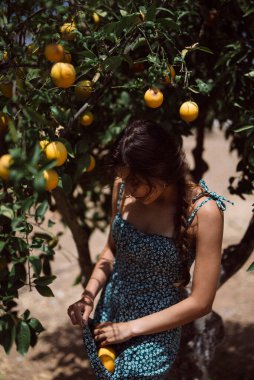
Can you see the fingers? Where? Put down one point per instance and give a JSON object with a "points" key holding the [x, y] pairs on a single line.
{"points": [[75, 313], [72, 316]]}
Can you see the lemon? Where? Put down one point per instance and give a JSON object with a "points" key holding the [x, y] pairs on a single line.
{"points": [[108, 351], [4, 120], [68, 31], [51, 178], [5, 56], [54, 53], [66, 57], [96, 18], [83, 89], [169, 78], [92, 164], [107, 356], [108, 363], [56, 150], [5, 162], [153, 97], [189, 111], [43, 144], [63, 74], [87, 118]]}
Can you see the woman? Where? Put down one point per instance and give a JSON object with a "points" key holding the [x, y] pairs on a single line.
{"points": [[155, 235]]}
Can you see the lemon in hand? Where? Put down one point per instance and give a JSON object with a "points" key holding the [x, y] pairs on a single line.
{"points": [[107, 356]]}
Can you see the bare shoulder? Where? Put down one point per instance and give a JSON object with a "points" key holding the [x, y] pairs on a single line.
{"points": [[208, 215]]}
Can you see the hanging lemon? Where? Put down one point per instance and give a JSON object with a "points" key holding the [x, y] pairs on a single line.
{"points": [[87, 118], [56, 150], [189, 111]]}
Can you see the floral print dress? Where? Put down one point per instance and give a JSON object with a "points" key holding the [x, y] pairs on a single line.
{"points": [[141, 283]]}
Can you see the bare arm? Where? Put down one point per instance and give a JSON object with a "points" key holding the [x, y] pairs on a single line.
{"points": [[205, 278], [104, 265]]}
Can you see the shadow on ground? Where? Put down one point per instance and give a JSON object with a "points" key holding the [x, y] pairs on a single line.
{"points": [[233, 358], [70, 358]]}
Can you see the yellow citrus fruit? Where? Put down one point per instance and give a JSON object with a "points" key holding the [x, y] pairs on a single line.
{"points": [[189, 111], [54, 53], [92, 164], [43, 144], [96, 18], [108, 351], [51, 178], [66, 57], [68, 31], [153, 97], [4, 120], [56, 150], [87, 118], [6, 89], [63, 74], [169, 78], [108, 363], [83, 89], [5, 56], [5, 162]]}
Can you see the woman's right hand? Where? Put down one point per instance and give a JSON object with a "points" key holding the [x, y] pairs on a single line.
{"points": [[79, 311]]}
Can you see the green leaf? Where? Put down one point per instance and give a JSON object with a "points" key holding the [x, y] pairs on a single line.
{"points": [[36, 325], [111, 63], [251, 10], [250, 74], [2, 245], [66, 182], [36, 264], [33, 74], [34, 116], [13, 131], [251, 267], [41, 210], [7, 334], [26, 314], [205, 49], [51, 223], [27, 203], [45, 291], [168, 23], [7, 212], [123, 12], [23, 337], [150, 14], [44, 280]]}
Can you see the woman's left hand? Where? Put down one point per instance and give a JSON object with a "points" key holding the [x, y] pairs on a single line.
{"points": [[112, 332]]}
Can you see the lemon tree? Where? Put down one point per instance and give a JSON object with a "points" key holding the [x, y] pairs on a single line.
{"points": [[72, 76]]}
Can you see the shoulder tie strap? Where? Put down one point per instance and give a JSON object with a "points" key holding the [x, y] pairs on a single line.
{"points": [[120, 195], [212, 195]]}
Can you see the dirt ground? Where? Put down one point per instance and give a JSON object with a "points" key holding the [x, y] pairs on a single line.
{"points": [[59, 353]]}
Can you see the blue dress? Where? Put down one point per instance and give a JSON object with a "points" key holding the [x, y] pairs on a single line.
{"points": [[146, 266]]}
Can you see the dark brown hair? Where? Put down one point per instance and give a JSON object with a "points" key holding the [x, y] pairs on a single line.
{"points": [[148, 150]]}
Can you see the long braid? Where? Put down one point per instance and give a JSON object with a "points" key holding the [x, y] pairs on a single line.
{"points": [[182, 239]]}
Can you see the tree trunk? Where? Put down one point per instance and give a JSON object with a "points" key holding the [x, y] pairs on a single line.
{"points": [[79, 234]]}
